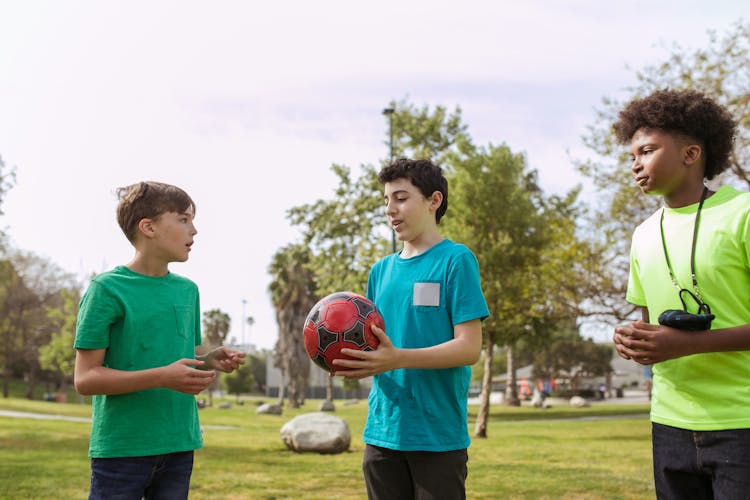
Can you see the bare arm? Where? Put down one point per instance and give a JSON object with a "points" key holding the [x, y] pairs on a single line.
{"points": [[648, 344], [91, 377], [463, 349]]}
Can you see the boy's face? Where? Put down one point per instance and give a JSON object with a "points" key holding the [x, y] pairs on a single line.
{"points": [[409, 212], [173, 235], [658, 158]]}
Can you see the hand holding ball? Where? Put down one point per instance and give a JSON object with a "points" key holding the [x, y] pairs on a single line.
{"points": [[340, 320]]}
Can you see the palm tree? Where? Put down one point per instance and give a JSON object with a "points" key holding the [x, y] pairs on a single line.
{"points": [[292, 290], [216, 325]]}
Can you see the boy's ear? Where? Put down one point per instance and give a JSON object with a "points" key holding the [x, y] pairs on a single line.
{"points": [[692, 153], [146, 227], [436, 200]]}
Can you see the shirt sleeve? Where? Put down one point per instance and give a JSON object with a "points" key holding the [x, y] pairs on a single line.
{"points": [[98, 311], [464, 291]]}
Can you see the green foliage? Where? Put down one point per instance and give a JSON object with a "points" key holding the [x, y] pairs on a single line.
{"points": [[574, 358], [58, 355], [293, 293], [241, 380], [344, 235], [215, 329]]}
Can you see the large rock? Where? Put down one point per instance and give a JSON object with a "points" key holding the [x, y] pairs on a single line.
{"points": [[327, 405], [269, 408], [319, 432], [578, 402]]}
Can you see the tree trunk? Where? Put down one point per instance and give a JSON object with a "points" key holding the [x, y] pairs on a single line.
{"points": [[329, 389], [511, 394], [282, 386], [480, 429]]}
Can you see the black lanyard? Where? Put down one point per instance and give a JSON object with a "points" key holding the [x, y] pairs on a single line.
{"points": [[701, 305]]}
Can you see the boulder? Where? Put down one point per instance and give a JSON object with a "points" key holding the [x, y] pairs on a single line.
{"points": [[317, 432], [578, 402], [269, 409], [327, 405]]}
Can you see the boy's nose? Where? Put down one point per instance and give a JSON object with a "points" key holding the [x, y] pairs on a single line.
{"points": [[636, 166]]}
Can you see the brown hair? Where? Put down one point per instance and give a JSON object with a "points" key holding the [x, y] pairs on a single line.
{"points": [[148, 200]]}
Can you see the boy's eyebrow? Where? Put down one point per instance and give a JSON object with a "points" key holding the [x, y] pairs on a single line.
{"points": [[396, 192]]}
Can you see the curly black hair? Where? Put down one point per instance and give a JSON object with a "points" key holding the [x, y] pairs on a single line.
{"points": [[686, 112], [424, 174]]}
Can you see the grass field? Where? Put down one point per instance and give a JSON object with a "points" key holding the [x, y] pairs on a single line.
{"points": [[530, 453]]}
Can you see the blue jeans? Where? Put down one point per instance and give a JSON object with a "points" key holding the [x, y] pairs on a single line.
{"points": [[154, 477], [701, 464]]}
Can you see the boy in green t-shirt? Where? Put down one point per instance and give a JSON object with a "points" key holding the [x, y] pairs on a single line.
{"points": [[691, 256], [137, 329]]}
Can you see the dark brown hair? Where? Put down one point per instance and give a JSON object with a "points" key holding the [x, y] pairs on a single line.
{"points": [[424, 174], [685, 112]]}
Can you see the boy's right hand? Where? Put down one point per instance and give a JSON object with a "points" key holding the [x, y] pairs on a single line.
{"points": [[180, 376]]}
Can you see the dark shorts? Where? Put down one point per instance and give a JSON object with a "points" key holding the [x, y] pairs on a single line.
{"points": [[421, 475], [701, 464], [159, 476]]}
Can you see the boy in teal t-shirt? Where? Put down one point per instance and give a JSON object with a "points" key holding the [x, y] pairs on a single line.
{"points": [[691, 255], [137, 329], [430, 297]]}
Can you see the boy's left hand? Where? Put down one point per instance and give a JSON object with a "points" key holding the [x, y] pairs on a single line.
{"points": [[647, 344], [223, 359], [368, 363]]}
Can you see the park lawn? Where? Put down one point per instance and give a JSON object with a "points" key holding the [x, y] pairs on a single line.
{"points": [[529, 453]]}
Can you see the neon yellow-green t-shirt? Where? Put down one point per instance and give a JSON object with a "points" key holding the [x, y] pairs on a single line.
{"points": [[143, 322], [703, 391]]}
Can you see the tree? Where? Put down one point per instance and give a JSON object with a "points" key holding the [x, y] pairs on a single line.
{"points": [[293, 293], [573, 358], [58, 356], [499, 211], [241, 380], [7, 179], [216, 325], [31, 285], [721, 71]]}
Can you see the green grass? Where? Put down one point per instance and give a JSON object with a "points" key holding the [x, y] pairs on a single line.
{"points": [[529, 453]]}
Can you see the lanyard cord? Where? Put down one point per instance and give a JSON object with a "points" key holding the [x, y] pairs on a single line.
{"points": [[692, 251]]}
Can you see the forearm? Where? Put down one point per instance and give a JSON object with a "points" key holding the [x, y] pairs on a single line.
{"points": [[727, 339], [455, 352], [103, 380]]}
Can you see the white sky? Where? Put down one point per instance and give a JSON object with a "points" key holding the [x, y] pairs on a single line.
{"points": [[247, 104]]}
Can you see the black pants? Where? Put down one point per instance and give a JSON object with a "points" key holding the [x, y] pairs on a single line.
{"points": [[418, 475]]}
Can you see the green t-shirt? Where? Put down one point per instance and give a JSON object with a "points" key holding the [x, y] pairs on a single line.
{"points": [[143, 322], [704, 391]]}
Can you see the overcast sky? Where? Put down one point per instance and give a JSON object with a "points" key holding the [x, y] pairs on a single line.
{"points": [[246, 105]]}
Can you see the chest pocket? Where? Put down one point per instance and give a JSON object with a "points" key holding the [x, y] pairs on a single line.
{"points": [[184, 322], [426, 294]]}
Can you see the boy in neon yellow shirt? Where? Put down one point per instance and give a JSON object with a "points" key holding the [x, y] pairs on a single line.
{"points": [[693, 255], [137, 329]]}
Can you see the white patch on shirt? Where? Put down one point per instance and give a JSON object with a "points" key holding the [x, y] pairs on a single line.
{"points": [[426, 294]]}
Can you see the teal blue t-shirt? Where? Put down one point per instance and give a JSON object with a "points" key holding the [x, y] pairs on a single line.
{"points": [[421, 300], [143, 322]]}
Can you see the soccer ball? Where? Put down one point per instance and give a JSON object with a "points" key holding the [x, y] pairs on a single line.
{"points": [[340, 320]]}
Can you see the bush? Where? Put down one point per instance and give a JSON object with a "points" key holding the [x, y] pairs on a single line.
{"points": [[569, 393]]}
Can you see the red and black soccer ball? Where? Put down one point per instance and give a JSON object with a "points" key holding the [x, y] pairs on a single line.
{"points": [[340, 320]]}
